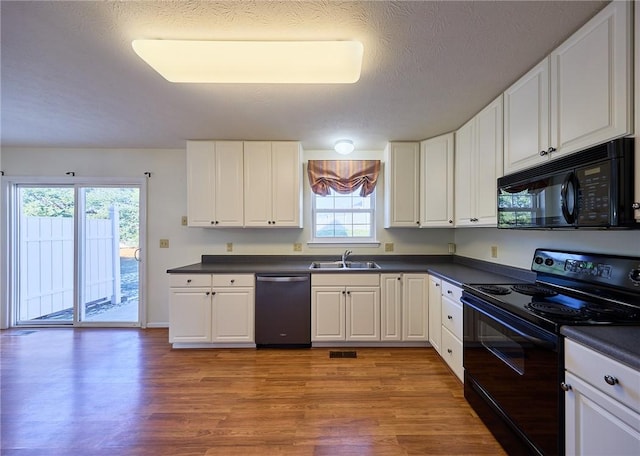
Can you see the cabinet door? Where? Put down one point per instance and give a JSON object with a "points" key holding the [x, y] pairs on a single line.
{"points": [[597, 424], [363, 313], [436, 182], [487, 164], [190, 315], [287, 188], [232, 319], [228, 183], [526, 119], [328, 314], [463, 174], [435, 312], [591, 81], [402, 185], [200, 182], [415, 307], [391, 307], [257, 183]]}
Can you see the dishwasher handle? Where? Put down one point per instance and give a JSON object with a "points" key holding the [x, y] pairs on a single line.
{"points": [[282, 278]]}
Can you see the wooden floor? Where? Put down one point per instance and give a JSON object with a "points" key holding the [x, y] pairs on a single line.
{"points": [[126, 392]]}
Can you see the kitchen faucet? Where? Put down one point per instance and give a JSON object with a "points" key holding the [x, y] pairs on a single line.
{"points": [[344, 257]]}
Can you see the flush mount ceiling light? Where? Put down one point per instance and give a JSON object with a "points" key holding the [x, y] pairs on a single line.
{"points": [[344, 146], [276, 62]]}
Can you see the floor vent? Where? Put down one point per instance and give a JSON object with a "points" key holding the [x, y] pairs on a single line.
{"points": [[343, 354]]}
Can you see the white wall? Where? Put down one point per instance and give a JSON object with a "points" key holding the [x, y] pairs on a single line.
{"points": [[516, 247], [166, 204]]}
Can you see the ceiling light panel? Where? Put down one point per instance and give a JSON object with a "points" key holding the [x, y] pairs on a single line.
{"points": [[274, 62]]}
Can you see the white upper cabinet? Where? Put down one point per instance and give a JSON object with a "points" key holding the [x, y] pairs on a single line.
{"points": [[576, 98], [591, 81], [478, 165], [272, 184], [215, 183], [436, 182], [402, 185], [526, 119]]}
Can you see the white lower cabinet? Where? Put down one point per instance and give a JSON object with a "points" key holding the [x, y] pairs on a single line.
{"points": [[404, 307], [451, 327], [435, 312], [415, 307], [205, 308], [345, 307], [602, 403], [190, 315]]}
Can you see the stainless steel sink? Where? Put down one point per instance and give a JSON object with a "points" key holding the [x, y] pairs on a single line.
{"points": [[361, 265], [347, 265], [327, 265]]}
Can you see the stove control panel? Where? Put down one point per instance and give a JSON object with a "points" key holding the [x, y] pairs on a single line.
{"points": [[590, 268]]}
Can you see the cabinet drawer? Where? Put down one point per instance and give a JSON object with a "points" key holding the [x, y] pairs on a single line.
{"points": [[233, 280], [189, 280], [345, 279], [593, 367], [452, 352], [451, 291], [452, 316]]}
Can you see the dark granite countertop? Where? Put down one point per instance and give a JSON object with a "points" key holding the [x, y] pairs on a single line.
{"points": [[621, 343], [457, 270]]}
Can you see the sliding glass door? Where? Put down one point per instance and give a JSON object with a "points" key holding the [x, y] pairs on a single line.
{"points": [[76, 256]]}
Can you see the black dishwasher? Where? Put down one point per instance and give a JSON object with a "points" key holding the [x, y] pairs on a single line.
{"points": [[283, 310]]}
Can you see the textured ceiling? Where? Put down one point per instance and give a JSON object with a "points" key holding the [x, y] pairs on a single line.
{"points": [[71, 79]]}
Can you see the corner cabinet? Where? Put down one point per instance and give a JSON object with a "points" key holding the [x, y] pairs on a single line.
{"points": [[402, 185], [602, 403], [577, 97], [211, 310], [272, 184], [215, 184], [404, 307], [478, 165], [436, 182]]}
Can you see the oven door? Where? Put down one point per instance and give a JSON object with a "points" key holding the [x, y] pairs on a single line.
{"points": [[512, 377]]}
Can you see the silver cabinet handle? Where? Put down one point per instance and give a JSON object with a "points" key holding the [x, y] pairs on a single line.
{"points": [[565, 386], [611, 380], [449, 351], [449, 317]]}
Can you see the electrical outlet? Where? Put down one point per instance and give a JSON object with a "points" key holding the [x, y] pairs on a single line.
{"points": [[388, 247], [297, 247], [494, 251], [164, 243], [184, 220], [451, 247], [229, 246]]}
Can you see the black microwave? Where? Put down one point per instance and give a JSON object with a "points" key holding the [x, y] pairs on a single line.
{"points": [[592, 188]]}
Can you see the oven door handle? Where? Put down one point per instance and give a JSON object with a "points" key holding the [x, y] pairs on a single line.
{"points": [[534, 340]]}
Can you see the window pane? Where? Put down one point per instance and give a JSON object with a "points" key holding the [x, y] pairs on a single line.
{"points": [[344, 216], [324, 202]]}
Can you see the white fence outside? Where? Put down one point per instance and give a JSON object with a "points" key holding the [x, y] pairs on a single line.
{"points": [[46, 264]]}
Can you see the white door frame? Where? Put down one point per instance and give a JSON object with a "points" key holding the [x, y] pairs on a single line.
{"points": [[8, 278]]}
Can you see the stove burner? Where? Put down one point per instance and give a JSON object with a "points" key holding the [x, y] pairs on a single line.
{"points": [[493, 289], [558, 310], [533, 290], [613, 313]]}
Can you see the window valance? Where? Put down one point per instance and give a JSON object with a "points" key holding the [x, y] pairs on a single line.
{"points": [[343, 176]]}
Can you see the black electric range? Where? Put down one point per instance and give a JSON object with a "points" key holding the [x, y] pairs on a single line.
{"points": [[512, 348], [571, 289]]}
